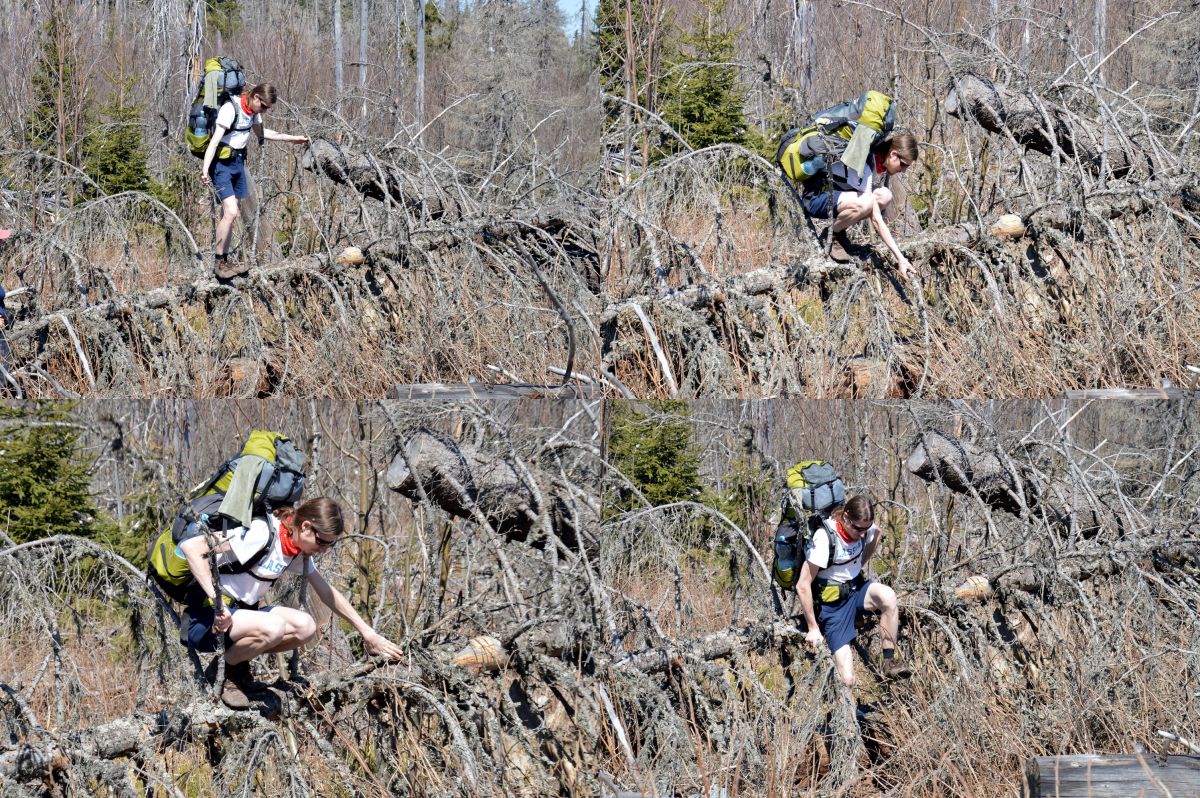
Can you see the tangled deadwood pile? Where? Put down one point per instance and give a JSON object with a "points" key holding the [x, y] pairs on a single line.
{"points": [[647, 658], [1055, 228], [428, 281]]}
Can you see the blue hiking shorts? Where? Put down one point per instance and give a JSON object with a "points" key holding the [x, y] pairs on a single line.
{"points": [[817, 204], [196, 626], [837, 620], [229, 177]]}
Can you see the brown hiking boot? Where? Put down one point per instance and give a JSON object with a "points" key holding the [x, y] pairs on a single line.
{"points": [[227, 269], [895, 669], [838, 253], [239, 689]]}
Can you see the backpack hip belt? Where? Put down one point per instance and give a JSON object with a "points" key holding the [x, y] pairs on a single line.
{"points": [[826, 591]]}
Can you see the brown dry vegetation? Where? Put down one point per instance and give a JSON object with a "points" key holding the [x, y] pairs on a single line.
{"points": [[1100, 291], [649, 659], [115, 292]]}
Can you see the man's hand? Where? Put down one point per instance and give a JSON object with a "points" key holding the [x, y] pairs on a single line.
{"points": [[907, 272], [205, 179], [224, 621], [813, 638], [378, 644]]}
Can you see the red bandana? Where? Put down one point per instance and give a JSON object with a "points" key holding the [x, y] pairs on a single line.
{"points": [[246, 106], [841, 532], [290, 549]]}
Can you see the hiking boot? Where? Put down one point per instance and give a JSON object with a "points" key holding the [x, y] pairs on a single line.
{"points": [[838, 253], [239, 689], [234, 696], [851, 248], [895, 669], [227, 269]]}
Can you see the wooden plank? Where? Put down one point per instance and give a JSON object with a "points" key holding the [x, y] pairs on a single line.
{"points": [[1112, 776], [472, 391], [1170, 392]]}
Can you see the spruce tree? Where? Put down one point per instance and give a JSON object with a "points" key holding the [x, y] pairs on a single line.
{"points": [[114, 152], [701, 99], [655, 450], [44, 480]]}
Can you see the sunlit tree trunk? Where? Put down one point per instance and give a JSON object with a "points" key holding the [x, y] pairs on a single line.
{"points": [[363, 13], [804, 42], [337, 56], [419, 102]]}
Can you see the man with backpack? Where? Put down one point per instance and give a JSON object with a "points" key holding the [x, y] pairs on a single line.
{"points": [[842, 161], [247, 520], [224, 164], [833, 591], [281, 542]]}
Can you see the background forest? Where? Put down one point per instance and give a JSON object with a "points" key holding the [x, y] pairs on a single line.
{"points": [[1079, 117], [624, 638], [478, 119]]}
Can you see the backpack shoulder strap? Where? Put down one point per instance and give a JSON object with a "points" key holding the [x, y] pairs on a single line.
{"points": [[244, 567]]}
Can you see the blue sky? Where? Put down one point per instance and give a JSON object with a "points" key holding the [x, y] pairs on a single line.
{"points": [[570, 10]]}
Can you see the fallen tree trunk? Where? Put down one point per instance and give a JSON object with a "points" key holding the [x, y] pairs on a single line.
{"points": [[965, 468], [1033, 123], [1111, 776], [370, 177], [460, 479]]}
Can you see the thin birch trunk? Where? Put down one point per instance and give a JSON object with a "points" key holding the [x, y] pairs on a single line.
{"points": [[1100, 30], [419, 100], [363, 12], [338, 58]]}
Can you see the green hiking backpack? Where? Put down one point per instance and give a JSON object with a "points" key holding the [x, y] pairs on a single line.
{"points": [[814, 490], [836, 141], [223, 80], [267, 473], [792, 541], [280, 479], [168, 565]]}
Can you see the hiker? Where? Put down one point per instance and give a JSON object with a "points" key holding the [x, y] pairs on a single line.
{"points": [[832, 590], [860, 197], [250, 628], [236, 119]]}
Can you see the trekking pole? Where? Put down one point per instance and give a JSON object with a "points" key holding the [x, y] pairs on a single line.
{"points": [[218, 605]]}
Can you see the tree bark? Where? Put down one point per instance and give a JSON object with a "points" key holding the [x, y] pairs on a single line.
{"points": [[338, 56], [419, 89], [457, 476], [363, 13], [1001, 110]]}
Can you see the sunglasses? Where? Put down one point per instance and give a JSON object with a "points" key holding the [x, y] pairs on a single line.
{"points": [[323, 542], [858, 528]]}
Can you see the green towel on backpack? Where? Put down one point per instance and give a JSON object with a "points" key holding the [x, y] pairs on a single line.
{"points": [[238, 503], [211, 88], [859, 148]]}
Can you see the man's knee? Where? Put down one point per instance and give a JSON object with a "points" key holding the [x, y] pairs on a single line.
{"points": [[230, 209], [306, 627], [866, 205], [883, 598], [883, 197], [849, 679]]}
